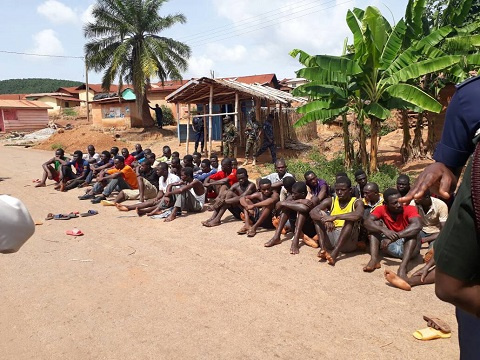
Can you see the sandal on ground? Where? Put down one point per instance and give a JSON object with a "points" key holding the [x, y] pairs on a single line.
{"points": [[430, 333], [89, 213], [74, 232]]}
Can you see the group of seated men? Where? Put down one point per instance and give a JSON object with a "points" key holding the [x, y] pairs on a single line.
{"points": [[336, 219]]}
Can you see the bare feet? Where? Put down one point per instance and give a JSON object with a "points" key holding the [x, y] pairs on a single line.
{"points": [[272, 242], [294, 250], [140, 212], [121, 207], [371, 266], [212, 223], [325, 255], [402, 273], [42, 184], [396, 280], [243, 230], [171, 217], [251, 232]]}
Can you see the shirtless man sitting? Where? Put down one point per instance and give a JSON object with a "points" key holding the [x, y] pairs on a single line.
{"points": [[231, 202], [398, 235], [337, 221], [296, 209], [258, 208], [188, 195], [52, 169]]}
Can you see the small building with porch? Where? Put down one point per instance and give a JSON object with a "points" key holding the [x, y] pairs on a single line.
{"points": [[23, 115], [116, 111]]}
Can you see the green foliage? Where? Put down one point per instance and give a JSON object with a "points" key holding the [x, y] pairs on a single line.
{"points": [[31, 86], [56, 146], [327, 169], [167, 115], [69, 112]]}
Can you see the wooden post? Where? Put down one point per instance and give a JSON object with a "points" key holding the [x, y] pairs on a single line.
{"points": [[258, 110], [178, 123], [205, 141], [282, 138], [210, 109], [188, 130], [236, 123], [86, 80]]}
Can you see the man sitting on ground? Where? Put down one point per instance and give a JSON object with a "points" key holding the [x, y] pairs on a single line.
{"points": [[70, 179], [189, 196], [105, 162], [114, 151], [258, 208], [317, 188], [159, 202], [231, 202], [205, 170], [397, 235], [372, 197], [52, 169], [118, 178], [361, 179], [277, 177], [338, 229], [197, 160], [296, 210], [91, 156], [147, 179], [129, 158], [188, 161], [218, 183], [138, 153], [403, 184], [166, 155]]}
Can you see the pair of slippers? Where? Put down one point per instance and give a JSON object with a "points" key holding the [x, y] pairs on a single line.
{"points": [[74, 232], [437, 329], [69, 216]]}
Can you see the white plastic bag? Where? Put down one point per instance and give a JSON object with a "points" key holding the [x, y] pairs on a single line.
{"points": [[16, 224]]}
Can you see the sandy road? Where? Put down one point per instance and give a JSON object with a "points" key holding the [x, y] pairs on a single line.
{"points": [[138, 288]]}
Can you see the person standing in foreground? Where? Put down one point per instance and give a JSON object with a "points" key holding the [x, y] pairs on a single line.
{"points": [[457, 248]]}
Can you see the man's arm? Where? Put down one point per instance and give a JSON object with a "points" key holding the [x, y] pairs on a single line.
{"points": [[271, 200], [355, 215], [373, 226], [413, 228], [430, 238], [315, 214], [300, 206], [181, 189]]}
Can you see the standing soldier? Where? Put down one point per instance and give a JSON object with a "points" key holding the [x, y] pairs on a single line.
{"points": [[268, 139], [230, 134], [252, 133], [199, 129]]}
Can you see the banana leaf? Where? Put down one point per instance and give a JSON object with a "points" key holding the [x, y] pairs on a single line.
{"points": [[415, 96], [320, 115]]}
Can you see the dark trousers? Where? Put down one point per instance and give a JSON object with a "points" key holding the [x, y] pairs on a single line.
{"points": [[68, 173], [199, 138], [468, 335], [118, 184], [160, 121], [273, 150]]}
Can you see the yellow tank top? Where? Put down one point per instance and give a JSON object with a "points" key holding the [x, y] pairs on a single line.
{"points": [[336, 209]]}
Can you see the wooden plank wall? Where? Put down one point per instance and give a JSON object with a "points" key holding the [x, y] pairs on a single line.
{"points": [[28, 119]]}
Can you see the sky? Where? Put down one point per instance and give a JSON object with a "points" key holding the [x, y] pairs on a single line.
{"points": [[229, 37]]}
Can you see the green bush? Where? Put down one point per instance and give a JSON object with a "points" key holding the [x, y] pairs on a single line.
{"points": [[57, 146], [167, 115], [327, 169], [69, 112]]}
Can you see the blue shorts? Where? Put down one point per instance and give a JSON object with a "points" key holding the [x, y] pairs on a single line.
{"points": [[395, 249]]}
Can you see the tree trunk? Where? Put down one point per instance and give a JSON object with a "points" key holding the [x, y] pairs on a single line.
{"points": [[348, 148], [374, 126], [417, 151], [147, 119], [406, 149], [362, 140], [430, 147]]}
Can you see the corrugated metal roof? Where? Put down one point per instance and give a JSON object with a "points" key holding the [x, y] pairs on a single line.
{"points": [[12, 96], [197, 91], [23, 104]]}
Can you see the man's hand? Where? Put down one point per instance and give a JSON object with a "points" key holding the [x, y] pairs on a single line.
{"points": [[391, 235], [436, 177], [384, 244], [422, 273]]}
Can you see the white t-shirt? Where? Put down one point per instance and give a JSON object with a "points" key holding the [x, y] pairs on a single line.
{"points": [[273, 177], [87, 156], [16, 224], [162, 184]]}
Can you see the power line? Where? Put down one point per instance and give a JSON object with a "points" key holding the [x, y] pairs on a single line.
{"points": [[244, 21], [43, 55], [270, 25]]}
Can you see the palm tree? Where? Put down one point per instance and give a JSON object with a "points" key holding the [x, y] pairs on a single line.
{"points": [[124, 41]]}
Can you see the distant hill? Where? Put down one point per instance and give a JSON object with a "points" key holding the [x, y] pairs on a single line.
{"points": [[29, 86]]}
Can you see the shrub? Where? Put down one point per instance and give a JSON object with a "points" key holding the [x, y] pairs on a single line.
{"points": [[327, 169], [57, 146], [167, 115], [69, 112]]}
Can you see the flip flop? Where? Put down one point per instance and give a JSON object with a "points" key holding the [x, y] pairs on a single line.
{"points": [[107, 203], [242, 231], [65, 216], [442, 325], [251, 233], [74, 232], [49, 216], [89, 213], [430, 333]]}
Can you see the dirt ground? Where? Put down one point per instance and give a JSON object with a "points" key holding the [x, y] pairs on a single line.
{"points": [[138, 288]]}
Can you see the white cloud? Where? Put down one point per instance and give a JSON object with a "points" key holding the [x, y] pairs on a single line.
{"points": [[221, 52], [87, 16], [57, 12], [199, 66], [46, 43]]}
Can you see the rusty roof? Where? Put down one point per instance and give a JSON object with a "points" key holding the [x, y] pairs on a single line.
{"points": [[69, 89], [197, 91], [23, 104], [256, 79], [12, 96], [167, 86]]}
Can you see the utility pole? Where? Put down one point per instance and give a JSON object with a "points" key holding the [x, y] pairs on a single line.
{"points": [[86, 83]]}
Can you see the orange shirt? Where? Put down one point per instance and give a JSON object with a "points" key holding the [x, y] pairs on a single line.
{"points": [[128, 174]]}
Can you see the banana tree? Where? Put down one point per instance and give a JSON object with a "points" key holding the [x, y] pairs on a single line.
{"points": [[377, 74]]}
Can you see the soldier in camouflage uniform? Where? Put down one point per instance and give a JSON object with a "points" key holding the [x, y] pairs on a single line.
{"points": [[252, 133], [230, 134]]}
